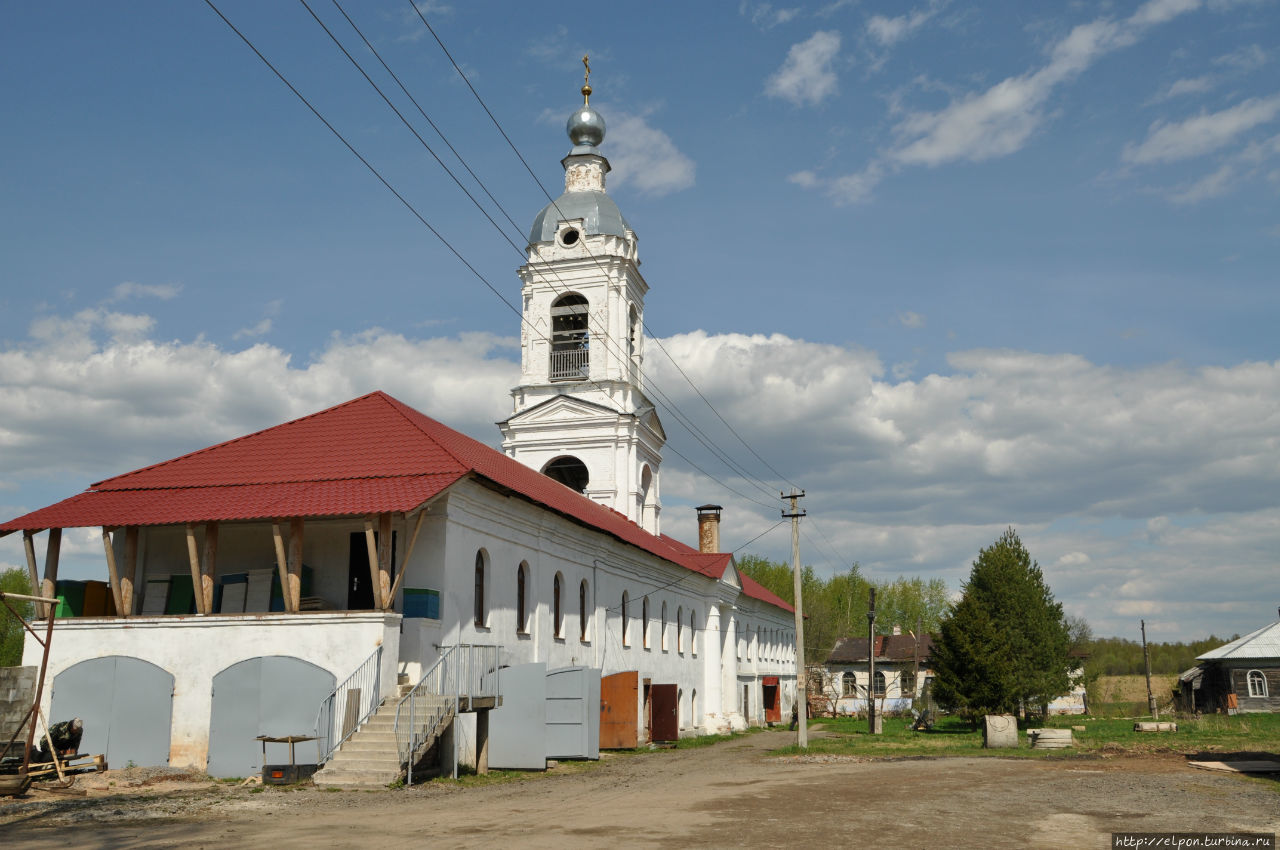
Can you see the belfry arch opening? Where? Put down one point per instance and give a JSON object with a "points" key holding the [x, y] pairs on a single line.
{"points": [[570, 343], [569, 471]]}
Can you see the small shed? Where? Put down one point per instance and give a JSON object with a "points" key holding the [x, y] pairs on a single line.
{"points": [[1243, 675]]}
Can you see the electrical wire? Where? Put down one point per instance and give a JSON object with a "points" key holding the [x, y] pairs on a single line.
{"points": [[414, 211], [529, 169]]}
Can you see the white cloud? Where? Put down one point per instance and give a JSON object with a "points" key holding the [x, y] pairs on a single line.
{"points": [[129, 289], [911, 320], [1000, 119], [1212, 185], [807, 76], [1150, 487], [645, 157], [1189, 85], [1203, 133], [764, 16], [1247, 58], [261, 328], [889, 31]]}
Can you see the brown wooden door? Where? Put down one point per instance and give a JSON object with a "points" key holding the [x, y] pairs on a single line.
{"points": [[664, 718], [619, 711]]}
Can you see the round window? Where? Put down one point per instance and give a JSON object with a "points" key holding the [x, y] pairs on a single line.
{"points": [[569, 237]]}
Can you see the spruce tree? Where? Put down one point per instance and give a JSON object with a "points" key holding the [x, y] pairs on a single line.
{"points": [[1005, 643]]}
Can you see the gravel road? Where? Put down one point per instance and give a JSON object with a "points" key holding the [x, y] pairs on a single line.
{"points": [[732, 794]]}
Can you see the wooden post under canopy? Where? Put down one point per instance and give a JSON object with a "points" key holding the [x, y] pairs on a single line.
{"points": [[371, 544], [112, 572], [382, 598], [404, 560], [293, 590], [130, 570], [29, 545], [282, 566], [209, 564], [193, 556], [49, 590]]}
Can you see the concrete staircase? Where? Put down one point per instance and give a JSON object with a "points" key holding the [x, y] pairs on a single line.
{"points": [[369, 758]]}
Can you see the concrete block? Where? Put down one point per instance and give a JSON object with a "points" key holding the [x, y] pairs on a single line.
{"points": [[999, 731]]}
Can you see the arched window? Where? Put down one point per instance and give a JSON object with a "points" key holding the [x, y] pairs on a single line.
{"points": [[644, 622], [693, 707], [879, 683], [662, 635], [1257, 684], [569, 471], [680, 630], [848, 685], [582, 611], [693, 633], [522, 596], [481, 612], [557, 610], [633, 338], [626, 633], [569, 338]]}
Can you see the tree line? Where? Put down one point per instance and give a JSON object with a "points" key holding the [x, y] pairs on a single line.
{"points": [[837, 607], [1120, 657]]}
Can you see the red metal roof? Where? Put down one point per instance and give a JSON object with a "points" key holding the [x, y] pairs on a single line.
{"points": [[373, 454]]}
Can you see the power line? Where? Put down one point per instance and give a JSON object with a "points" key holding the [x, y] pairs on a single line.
{"points": [[683, 419], [414, 211], [645, 325]]}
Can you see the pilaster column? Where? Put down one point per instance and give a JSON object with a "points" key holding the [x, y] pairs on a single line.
{"points": [[712, 716]]}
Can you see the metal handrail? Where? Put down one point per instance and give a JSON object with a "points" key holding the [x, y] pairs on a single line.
{"points": [[462, 670], [335, 721]]}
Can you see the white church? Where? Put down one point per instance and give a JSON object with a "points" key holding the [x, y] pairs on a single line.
{"points": [[378, 584]]}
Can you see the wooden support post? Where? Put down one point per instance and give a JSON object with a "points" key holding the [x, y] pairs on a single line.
{"points": [[130, 570], [293, 590], [49, 590], [29, 544], [404, 560], [209, 565], [282, 566], [193, 557], [382, 590], [371, 544], [112, 573]]}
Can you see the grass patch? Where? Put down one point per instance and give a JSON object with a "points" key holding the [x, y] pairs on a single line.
{"points": [[954, 737], [710, 740]]}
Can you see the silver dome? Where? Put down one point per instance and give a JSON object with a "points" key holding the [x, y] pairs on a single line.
{"points": [[585, 127], [601, 215]]}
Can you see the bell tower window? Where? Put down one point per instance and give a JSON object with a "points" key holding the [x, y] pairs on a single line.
{"points": [[569, 471], [570, 360]]}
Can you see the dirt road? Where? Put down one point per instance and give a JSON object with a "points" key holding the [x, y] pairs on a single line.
{"points": [[728, 795]]}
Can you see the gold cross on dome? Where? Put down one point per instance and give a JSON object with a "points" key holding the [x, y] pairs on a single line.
{"points": [[586, 81]]}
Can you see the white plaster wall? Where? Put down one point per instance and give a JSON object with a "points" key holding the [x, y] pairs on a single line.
{"points": [[194, 649], [511, 530]]}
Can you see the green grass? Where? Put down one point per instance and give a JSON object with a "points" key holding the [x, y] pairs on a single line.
{"points": [[953, 737]]}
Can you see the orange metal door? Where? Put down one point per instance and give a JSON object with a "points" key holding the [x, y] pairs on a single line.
{"points": [[664, 723], [619, 708], [772, 700]]}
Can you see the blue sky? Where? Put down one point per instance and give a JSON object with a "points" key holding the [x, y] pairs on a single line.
{"points": [[950, 267]]}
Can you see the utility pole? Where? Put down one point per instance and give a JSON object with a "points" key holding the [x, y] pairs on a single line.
{"points": [[802, 675], [871, 664], [1146, 659]]}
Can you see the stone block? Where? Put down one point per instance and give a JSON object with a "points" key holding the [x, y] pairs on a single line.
{"points": [[999, 731]]}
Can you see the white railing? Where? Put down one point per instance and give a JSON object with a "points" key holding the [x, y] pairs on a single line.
{"points": [[346, 709], [571, 365], [464, 670]]}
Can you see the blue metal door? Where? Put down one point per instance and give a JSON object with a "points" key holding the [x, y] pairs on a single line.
{"points": [[518, 727], [274, 695], [126, 705], [573, 713]]}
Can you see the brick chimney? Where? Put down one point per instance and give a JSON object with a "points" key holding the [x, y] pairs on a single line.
{"points": [[709, 528]]}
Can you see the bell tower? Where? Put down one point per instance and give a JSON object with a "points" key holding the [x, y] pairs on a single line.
{"points": [[580, 414]]}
